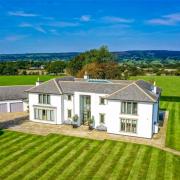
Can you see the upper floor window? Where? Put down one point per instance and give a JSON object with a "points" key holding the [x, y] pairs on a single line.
{"points": [[69, 97], [129, 108], [101, 101], [102, 118], [44, 99]]}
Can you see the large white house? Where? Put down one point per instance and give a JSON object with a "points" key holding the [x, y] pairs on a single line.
{"points": [[118, 106]]}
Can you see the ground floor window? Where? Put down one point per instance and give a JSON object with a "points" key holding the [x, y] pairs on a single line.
{"points": [[44, 114], [128, 125], [69, 113], [102, 118]]}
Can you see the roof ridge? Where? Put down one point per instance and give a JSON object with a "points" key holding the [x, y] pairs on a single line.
{"points": [[40, 84], [143, 91], [119, 90], [60, 89]]}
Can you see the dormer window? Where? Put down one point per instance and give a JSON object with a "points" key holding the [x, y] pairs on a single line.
{"points": [[101, 101], [44, 99], [69, 97]]}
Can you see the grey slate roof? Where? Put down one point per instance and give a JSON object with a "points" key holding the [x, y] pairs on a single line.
{"points": [[114, 89], [133, 93], [48, 87], [13, 92]]}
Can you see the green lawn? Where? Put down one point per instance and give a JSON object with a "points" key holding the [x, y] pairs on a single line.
{"points": [[25, 156], [22, 80]]}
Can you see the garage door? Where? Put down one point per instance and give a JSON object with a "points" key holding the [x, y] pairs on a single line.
{"points": [[3, 107], [16, 107]]}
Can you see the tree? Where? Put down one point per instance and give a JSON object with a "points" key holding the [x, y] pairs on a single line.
{"points": [[99, 56], [56, 67]]}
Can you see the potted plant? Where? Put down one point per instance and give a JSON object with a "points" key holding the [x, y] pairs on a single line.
{"points": [[91, 123], [75, 121]]}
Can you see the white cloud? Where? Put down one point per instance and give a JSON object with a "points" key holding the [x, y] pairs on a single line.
{"points": [[63, 24], [21, 13], [13, 38], [35, 27], [113, 19], [166, 20], [85, 18]]}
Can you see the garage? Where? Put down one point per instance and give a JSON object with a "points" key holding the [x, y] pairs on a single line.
{"points": [[3, 108], [16, 107]]}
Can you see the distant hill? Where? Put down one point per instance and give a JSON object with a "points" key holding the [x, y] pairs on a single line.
{"points": [[146, 55]]}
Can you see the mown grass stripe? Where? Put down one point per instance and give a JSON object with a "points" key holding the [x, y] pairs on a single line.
{"points": [[121, 161], [168, 172], [5, 134], [176, 127], [94, 164], [115, 161], [170, 133], [15, 141], [161, 165], [108, 163], [52, 160], [10, 158], [38, 160], [10, 137], [128, 163], [176, 169], [134, 173], [151, 173], [13, 166], [76, 166], [13, 149], [69, 158]]}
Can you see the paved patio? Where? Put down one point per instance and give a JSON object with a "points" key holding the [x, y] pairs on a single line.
{"points": [[158, 140]]}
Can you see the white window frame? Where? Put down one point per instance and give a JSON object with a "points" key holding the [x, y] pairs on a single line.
{"points": [[125, 108], [128, 120], [44, 99]]}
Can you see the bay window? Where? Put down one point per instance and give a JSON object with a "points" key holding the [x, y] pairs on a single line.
{"points": [[44, 114]]}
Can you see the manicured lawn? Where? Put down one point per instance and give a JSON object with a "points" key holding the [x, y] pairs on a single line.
{"points": [[169, 84], [173, 128], [25, 156], [22, 80]]}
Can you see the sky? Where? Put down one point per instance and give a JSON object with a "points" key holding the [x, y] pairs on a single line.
{"points": [[28, 26]]}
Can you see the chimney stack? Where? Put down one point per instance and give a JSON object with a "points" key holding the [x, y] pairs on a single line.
{"points": [[154, 88], [38, 82]]}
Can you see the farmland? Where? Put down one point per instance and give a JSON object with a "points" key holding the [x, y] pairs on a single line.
{"points": [[25, 156], [22, 80]]}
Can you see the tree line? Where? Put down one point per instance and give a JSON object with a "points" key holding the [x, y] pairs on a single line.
{"points": [[99, 63]]}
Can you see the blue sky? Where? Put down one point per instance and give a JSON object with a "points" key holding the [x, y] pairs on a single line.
{"points": [[77, 25]]}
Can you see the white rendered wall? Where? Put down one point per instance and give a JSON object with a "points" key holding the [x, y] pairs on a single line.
{"points": [[55, 104], [144, 119], [68, 104]]}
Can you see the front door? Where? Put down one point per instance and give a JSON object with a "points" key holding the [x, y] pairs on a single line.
{"points": [[85, 108]]}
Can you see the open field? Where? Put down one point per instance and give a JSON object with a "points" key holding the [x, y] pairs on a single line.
{"points": [[22, 80], [25, 156]]}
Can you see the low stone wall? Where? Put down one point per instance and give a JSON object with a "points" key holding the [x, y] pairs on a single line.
{"points": [[13, 122]]}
